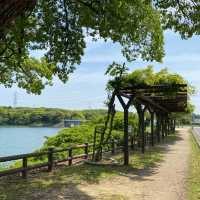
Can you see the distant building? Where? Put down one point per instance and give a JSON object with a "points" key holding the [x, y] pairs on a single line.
{"points": [[72, 122]]}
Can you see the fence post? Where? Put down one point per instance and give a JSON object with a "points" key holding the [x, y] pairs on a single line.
{"points": [[86, 150], [50, 159], [70, 156], [25, 164], [132, 142], [113, 146]]}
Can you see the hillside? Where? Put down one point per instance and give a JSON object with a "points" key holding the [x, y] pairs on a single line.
{"points": [[24, 116]]}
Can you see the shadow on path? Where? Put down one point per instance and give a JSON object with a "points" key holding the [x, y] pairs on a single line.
{"points": [[63, 182]]}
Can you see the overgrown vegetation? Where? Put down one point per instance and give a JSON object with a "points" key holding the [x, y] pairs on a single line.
{"points": [[85, 134], [194, 175], [145, 77]]}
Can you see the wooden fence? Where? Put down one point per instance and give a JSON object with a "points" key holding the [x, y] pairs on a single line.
{"points": [[51, 161]]}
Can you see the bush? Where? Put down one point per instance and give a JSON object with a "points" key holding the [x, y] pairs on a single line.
{"points": [[71, 136]]}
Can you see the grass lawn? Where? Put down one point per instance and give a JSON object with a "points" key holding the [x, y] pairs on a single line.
{"points": [[194, 171], [63, 183]]}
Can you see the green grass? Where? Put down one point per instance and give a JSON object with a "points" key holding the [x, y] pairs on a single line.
{"points": [[194, 171], [43, 185]]}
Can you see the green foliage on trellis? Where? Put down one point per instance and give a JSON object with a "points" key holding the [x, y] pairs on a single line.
{"points": [[148, 77]]}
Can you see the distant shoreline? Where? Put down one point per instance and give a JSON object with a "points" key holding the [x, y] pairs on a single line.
{"points": [[26, 126], [32, 126]]}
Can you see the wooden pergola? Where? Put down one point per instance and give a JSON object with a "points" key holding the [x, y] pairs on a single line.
{"points": [[160, 101]]}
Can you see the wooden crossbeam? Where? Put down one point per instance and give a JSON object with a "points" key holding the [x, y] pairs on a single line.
{"points": [[152, 103], [156, 96]]}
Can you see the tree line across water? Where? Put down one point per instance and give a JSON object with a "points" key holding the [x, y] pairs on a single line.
{"points": [[24, 116]]}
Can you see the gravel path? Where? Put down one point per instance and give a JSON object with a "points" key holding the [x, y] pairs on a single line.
{"points": [[165, 182]]}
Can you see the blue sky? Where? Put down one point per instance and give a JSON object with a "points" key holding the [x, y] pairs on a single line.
{"points": [[86, 87]]}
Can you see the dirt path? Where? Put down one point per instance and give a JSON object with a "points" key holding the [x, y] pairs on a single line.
{"points": [[166, 182]]}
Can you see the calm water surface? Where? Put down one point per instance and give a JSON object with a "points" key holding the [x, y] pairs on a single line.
{"points": [[17, 140]]}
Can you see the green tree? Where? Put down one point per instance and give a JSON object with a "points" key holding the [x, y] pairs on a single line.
{"points": [[59, 28], [180, 15]]}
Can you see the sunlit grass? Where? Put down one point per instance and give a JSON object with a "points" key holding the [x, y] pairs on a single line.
{"points": [[194, 171], [42, 184]]}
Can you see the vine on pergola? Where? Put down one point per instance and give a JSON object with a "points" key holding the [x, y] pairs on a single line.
{"points": [[162, 93]]}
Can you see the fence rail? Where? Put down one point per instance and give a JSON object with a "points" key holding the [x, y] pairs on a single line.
{"points": [[50, 155], [51, 161]]}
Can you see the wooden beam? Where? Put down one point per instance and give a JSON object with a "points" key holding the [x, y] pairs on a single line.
{"points": [[126, 150], [148, 100], [121, 101]]}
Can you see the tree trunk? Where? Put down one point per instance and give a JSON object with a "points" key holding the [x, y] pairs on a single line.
{"points": [[11, 9]]}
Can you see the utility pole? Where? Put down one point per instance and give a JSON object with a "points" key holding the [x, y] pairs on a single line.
{"points": [[15, 100]]}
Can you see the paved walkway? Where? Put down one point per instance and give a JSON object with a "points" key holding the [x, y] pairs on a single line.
{"points": [[165, 182]]}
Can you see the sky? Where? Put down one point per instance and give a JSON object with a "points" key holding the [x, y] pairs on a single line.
{"points": [[86, 86]]}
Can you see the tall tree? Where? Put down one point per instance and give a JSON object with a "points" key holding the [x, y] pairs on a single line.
{"points": [[182, 16], [59, 28]]}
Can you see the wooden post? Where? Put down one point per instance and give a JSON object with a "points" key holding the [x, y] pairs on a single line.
{"points": [[168, 129], [170, 125], [152, 128], [165, 127], [139, 134], [162, 127], [125, 107], [142, 131], [70, 156], [126, 151], [174, 127], [94, 145], [25, 164], [112, 146], [50, 159], [132, 142], [158, 127], [86, 150]]}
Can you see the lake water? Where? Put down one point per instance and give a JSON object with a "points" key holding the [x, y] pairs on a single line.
{"points": [[18, 140]]}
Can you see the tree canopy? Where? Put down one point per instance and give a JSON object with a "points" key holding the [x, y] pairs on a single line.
{"points": [[59, 28]]}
